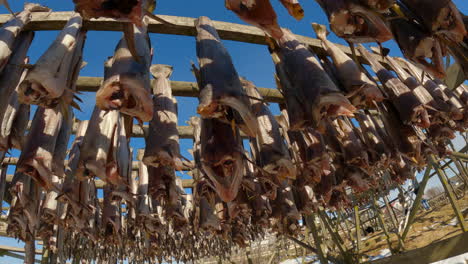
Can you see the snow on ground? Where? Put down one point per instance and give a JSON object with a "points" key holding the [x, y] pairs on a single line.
{"points": [[460, 259], [308, 259], [382, 254]]}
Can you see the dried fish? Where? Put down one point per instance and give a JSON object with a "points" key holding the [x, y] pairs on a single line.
{"points": [[12, 73], [311, 87], [294, 8], [46, 82], [354, 22], [221, 157], [273, 154], [218, 80], [360, 88], [162, 141], [127, 85], [378, 5], [418, 46], [259, 13], [440, 17], [410, 108], [37, 156]]}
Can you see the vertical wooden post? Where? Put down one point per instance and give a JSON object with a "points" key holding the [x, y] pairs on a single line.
{"points": [[3, 172], [45, 255], [30, 249], [451, 195], [393, 218], [335, 237], [310, 222], [417, 201], [381, 222], [358, 231]]}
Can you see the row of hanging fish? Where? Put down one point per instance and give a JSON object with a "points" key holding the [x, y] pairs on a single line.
{"points": [[425, 30], [340, 133]]}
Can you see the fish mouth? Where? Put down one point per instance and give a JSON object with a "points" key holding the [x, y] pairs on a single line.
{"points": [[33, 92], [226, 175], [335, 104], [127, 95]]}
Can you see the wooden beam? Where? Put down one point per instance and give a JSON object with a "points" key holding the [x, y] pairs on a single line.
{"points": [[179, 88], [444, 249], [17, 249], [182, 26]]}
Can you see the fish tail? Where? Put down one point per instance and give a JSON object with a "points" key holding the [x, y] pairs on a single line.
{"points": [[320, 30]]}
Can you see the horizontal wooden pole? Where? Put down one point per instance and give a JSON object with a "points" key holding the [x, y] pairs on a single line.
{"points": [[179, 88], [182, 26], [17, 249], [186, 183], [444, 249]]}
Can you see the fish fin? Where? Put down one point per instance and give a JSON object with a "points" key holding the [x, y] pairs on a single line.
{"points": [[83, 64], [129, 35], [320, 30], [294, 9], [7, 5]]}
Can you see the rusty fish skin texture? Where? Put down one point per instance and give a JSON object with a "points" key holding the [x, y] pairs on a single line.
{"points": [[221, 157], [274, 155], [37, 156], [313, 89], [350, 75], [439, 17], [418, 46], [162, 141], [127, 87], [259, 13], [354, 22], [47, 80], [411, 109], [13, 74], [378, 5], [220, 86]]}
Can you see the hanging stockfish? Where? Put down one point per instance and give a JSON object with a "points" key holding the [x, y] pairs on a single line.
{"points": [[377, 149], [437, 90], [307, 149], [273, 155], [10, 33], [204, 195], [14, 123], [46, 82], [418, 46], [111, 218], [162, 141], [24, 214], [310, 93], [354, 22], [378, 5], [220, 86], [410, 108], [285, 215], [105, 151], [362, 92], [37, 156], [127, 85], [259, 13], [221, 157], [12, 75], [439, 17]]}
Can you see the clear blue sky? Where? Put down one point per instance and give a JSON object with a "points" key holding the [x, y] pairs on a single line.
{"points": [[252, 61]]}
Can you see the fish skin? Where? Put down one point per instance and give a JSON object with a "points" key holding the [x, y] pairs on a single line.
{"points": [[439, 17], [317, 93], [37, 156], [9, 32], [259, 13], [274, 155], [294, 8], [221, 157], [417, 46], [127, 86], [354, 22], [220, 86], [162, 141], [45, 83], [349, 73]]}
